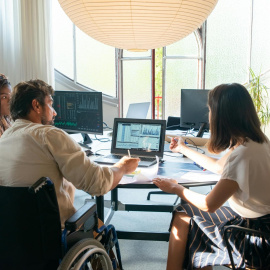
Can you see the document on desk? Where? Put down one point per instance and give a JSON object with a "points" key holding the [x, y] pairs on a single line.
{"points": [[188, 173], [141, 175], [196, 176]]}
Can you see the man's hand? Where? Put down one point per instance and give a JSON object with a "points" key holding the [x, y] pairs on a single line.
{"points": [[127, 164]]}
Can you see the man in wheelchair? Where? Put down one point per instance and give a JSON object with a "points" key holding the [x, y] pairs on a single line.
{"points": [[32, 148], [32, 238]]}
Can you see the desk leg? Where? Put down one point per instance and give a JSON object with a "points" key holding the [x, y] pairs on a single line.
{"points": [[114, 198], [100, 207]]}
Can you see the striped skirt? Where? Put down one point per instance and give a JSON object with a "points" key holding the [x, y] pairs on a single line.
{"points": [[206, 245]]}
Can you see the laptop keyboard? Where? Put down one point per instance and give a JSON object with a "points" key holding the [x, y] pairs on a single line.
{"points": [[114, 156], [150, 159]]}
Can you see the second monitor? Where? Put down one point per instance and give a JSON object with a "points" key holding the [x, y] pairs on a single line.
{"points": [[79, 112], [194, 110]]}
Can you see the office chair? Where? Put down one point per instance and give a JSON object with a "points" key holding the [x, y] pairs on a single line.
{"points": [[228, 230], [31, 237]]}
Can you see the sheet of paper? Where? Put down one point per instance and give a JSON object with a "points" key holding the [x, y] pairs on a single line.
{"points": [[142, 175], [197, 176], [183, 176]]}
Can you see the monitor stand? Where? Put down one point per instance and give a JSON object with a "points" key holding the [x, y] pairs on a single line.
{"points": [[86, 140], [201, 130]]}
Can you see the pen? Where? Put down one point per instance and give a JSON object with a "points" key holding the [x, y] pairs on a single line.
{"points": [[128, 153], [199, 166]]}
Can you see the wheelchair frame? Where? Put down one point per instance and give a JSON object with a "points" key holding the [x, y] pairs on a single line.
{"points": [[77, 230]]}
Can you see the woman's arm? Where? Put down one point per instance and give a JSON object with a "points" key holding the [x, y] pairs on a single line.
{"points": [[222, 191], [212, 164]]}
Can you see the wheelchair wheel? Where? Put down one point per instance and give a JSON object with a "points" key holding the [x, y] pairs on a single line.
{"points": [[87, 254]]}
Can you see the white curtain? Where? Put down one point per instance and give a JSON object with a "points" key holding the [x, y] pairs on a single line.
{"points": [[26, 40]]}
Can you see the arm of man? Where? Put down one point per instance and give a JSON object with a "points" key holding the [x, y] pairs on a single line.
{"points": [[77, 168], [126, 165]]}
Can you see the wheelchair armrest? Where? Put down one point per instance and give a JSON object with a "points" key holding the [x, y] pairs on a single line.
{"points": [[87, 213]]}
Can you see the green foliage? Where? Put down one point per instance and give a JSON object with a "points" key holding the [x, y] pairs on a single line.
{"points": [[259, 95], [158, 74]]}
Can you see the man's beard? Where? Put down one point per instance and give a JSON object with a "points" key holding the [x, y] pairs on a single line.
{"points": [[45, 121]]}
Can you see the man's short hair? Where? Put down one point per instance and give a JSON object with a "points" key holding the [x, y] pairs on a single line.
{"points": [[23, 95]]}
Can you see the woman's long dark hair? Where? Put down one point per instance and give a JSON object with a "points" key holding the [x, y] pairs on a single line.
{"points": [[233, 117], [4, 81]]}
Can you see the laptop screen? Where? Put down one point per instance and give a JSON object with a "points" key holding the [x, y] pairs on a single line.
{"points": [[138, 110], [142, 137]]}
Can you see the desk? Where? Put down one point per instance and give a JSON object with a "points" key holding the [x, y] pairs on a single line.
{"points": [[168, 168]]}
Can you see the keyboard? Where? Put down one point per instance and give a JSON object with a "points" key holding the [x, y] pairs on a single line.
{"points": [[113, 156]]}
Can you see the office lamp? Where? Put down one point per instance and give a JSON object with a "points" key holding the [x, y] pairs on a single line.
{"points": [[138, 25]]}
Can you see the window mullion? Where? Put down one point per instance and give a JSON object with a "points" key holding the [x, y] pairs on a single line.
{"points": [[74, 54]]}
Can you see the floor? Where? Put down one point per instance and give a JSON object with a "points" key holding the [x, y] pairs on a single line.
{"points": [[141, 255]]}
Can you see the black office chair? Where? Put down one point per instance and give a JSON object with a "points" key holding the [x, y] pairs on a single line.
{"points": [[228, 230], [31, 237]]}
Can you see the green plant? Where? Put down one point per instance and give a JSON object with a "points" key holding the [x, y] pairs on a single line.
{"points": [[259, 95]]}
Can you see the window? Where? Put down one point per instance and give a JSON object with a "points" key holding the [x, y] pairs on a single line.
{"points": [[236, 40], [228, 43], [63, 42], [136, 78], [260, 56], [182, 70], [93, 64]]}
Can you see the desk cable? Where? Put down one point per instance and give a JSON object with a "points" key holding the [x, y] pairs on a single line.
{"points": [[96, 152], [194, 145], [106, 126], [102, 139]]}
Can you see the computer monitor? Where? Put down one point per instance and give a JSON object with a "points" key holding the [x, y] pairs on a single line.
{"points": [[79, 112], [194, 110]]}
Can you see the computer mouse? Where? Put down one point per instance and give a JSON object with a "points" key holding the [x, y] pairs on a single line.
{"points": [[88, 152]]}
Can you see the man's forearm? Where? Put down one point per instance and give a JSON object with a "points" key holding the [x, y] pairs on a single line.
{"points": [[118, 173]]}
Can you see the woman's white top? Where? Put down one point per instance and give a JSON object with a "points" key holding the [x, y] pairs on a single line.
{"points": [[249, 166]]}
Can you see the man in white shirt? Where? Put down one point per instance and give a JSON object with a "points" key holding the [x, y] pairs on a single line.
{"points": [[33, 148]]}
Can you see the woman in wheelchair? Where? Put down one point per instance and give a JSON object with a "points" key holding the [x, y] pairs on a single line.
{"points": [[197, 227]]}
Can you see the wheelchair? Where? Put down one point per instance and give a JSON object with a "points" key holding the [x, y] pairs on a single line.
{"points": [[31, 237]]}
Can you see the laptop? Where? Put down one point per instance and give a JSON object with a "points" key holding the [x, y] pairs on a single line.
{"points": [[138, 110], [144, 138]]}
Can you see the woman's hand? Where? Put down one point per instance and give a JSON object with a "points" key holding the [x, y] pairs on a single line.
{"points": [[177, 143], [166, 184]]}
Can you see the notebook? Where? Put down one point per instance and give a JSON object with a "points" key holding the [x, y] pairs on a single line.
{"points": [[138, 110], [144, 138]]}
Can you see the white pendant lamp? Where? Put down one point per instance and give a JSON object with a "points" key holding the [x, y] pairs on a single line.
{"points": [[138, 25]]}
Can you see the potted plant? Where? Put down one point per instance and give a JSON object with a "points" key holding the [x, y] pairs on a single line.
{"points": [[259, 95]]}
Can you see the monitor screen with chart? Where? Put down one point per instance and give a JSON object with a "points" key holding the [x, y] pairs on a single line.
{"points": [[140, 136], [79, 111]]}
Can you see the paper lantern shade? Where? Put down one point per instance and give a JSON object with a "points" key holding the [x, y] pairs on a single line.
{"points": [[138, 24]]}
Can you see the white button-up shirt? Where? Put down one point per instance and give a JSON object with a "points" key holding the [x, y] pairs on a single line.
{"points": [[29, 151]]}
